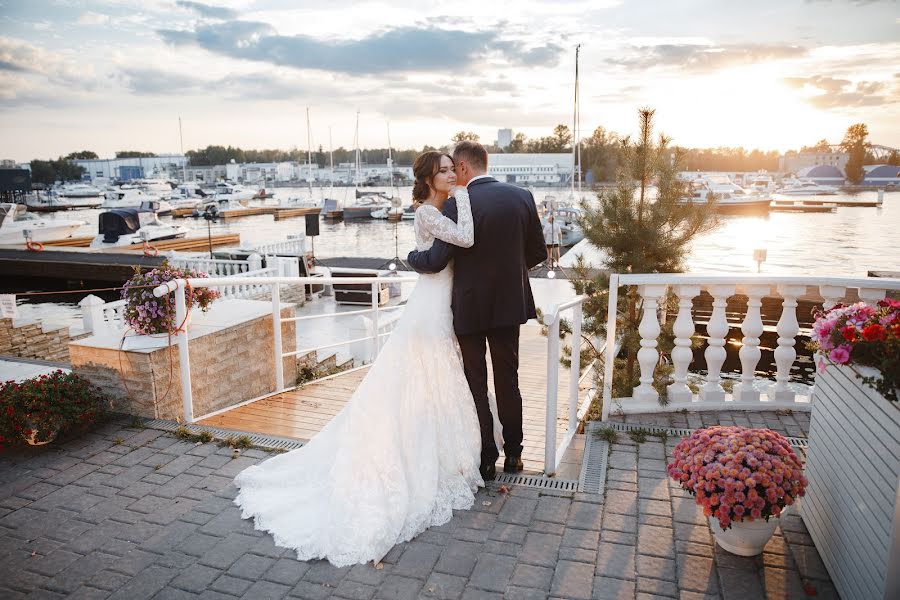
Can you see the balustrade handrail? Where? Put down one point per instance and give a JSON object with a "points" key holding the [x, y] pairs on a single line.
{"points": [[756, 279]]}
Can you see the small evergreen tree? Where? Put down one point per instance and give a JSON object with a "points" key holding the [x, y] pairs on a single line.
{"points": [[637, 233]]}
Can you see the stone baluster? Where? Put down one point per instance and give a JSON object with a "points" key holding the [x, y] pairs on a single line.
{"points": [[649, 329], [832, 295], [787, 329], [682, 354], [715, 354], [752, 328], [871, 296]]}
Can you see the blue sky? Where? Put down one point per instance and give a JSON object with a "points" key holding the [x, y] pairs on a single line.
{"points": [[116, 74]]}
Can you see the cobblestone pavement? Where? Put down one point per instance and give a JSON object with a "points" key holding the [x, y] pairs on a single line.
{"points": [[136, 513]]}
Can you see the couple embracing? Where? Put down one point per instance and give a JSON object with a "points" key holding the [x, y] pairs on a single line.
{"points": [[417, 438]]}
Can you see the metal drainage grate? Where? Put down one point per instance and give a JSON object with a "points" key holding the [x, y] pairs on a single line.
{"points": [[593, 465], [262, 441], [537, 481], [797, 442]]}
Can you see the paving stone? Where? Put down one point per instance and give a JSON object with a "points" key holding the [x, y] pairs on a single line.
{"points": [[198, 544], [540, 549], [88, 593], [418, 560], [545, 527], [227, 551], [572, 580], [366, 573], [609, 588], [171, 593], [697, 574], [308, 590], [250, 566], [466, 534], [581, 538], [741, 584], [656, 588], [492, 572], [471, 593], [692, 533], [495, 547], [623, 523], [809, 563], [514, 592], [233, 586], [583, 515], [532, 576], [553, 510], [321, 571], [53, 563], [146, 584], [443, 587], [507, 532], [615, 560], [353, 590], [274, 591], [396, 587], [458, 558], [626, 461], [79, 572], [686, 510], [661, 508], [627, 475], [620, 502], [656, 541], [578, 554], [518, 511], [655, 567]]}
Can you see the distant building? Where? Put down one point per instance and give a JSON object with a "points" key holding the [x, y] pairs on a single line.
{"points": [[124, 169], [206, 173], [881, 175], [531, 169], [504, 138], [7, 163], [793, 162], [822, 174], [14, 184]]}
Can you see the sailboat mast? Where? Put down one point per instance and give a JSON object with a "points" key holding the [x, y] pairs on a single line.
{"points": [[308, 154], [390, 158], [331, 159], [356, 142], [578, 115], [181, 139]]}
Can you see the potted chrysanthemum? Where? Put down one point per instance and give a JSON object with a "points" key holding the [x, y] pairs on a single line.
{"points": [[146, 314], [743, 478]]}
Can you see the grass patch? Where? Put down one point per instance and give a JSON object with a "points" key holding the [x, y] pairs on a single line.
{"points": [[118, 441], [608, 434], [137, 423], [239, 442], [638, 436], [183, 433]]}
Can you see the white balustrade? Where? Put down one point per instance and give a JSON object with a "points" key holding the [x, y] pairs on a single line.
{"points": [[682, 355], [715, 354], [649, 329], [871, 296], [787, 329], [833, 294], [752, 328]]}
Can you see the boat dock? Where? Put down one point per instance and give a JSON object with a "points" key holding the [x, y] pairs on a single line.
{"points": [[228, 213], [289, 213]]}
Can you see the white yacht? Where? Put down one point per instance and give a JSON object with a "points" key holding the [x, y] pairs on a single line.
{"points": [[759, 183], [729, 197], [128, 226], [78, 190], [127, 196], [568, 219], [234, 193], [15, 221], [799, 187]]}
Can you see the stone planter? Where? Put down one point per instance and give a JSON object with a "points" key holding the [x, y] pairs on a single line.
{"points": [[744, 538], [40, 438], [853, 466]]}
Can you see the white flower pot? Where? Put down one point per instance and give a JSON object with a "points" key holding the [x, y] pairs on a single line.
{"points": [[744, 538]]}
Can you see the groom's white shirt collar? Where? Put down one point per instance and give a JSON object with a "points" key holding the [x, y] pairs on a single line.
{"points": [[476, 178]]}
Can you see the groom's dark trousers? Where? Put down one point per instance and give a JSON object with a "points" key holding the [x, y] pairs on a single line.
{"points": [[491, 298]]}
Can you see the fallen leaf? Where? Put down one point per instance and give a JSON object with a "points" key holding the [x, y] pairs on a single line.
{"points": [[379, 566], [810, 590], [503, 489], [485, 502], [34, 552]]}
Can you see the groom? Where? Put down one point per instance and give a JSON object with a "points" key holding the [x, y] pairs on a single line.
{"points": [[491, 295]]}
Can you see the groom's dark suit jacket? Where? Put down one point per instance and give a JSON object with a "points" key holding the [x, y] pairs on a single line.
{"points": [[490, 281]]}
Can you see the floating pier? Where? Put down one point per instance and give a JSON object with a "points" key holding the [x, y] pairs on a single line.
{"points": [[289, 213], [228, 213]]}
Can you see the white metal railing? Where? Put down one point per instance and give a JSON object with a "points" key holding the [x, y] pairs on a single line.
{"points": [[102, 317], [747, 394], [275, 283], [293, 245], [577, 407]]}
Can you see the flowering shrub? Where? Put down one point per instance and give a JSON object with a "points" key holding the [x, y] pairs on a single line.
{"points": [[863, 335], [738, 474], [146, 314], [46, 405]]}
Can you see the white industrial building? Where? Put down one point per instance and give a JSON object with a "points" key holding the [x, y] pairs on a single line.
{"points": [[122, 169], [504, 138], [793, 162], [532, 169]]}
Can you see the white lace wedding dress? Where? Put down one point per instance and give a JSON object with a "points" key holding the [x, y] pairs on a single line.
{"points": [[402, 454]]}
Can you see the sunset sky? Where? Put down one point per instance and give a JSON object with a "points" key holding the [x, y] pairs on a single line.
{"points": [[107, 75]]}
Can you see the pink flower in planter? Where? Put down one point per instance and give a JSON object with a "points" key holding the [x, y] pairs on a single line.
{"points": [[840, 355]]}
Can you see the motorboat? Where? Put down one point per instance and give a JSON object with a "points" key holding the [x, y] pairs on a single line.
{"points": [[160, 207], [127, 197], [759, 183], [799, 187], [15, 221], [367, 204], [187, 195], [156, 187], [729, 198], [128, 226], [568, 218], [78, 190], [50, 202], [234, 192]]}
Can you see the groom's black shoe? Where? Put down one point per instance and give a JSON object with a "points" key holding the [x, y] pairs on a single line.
{"points": [[488, 471], [513, 464]]}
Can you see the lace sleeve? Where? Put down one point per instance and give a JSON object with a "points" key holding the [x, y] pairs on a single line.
{"points": [[461, 233]]}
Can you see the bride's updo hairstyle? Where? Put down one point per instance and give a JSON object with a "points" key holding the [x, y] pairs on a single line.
{"points": [[425, 167]]}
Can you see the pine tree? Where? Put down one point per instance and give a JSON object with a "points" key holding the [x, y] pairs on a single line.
{"points": [[637, 233], [855, 145]]}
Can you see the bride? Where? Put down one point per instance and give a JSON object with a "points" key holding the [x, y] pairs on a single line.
{"points": [[405, 450]]}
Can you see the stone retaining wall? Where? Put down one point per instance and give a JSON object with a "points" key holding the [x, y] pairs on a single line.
{"points": [[28, 339]]}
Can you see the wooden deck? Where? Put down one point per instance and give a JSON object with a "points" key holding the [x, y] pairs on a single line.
{"points": [[303, 412]]}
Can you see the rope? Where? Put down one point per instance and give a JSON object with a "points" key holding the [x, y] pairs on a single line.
{"points": [[108, 289], [150, 250], [34, 246]]}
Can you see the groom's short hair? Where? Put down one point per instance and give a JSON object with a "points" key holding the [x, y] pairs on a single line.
{"points": [[472, 153]]}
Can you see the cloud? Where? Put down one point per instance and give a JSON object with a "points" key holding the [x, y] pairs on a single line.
{"points": [[208, 11], [92, 18], [704, 58], [831, 92], [29, 74], [421, 48], [150, 82]]}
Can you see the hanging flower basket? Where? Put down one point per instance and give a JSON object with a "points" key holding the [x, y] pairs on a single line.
{"points": [[148, 315]]}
